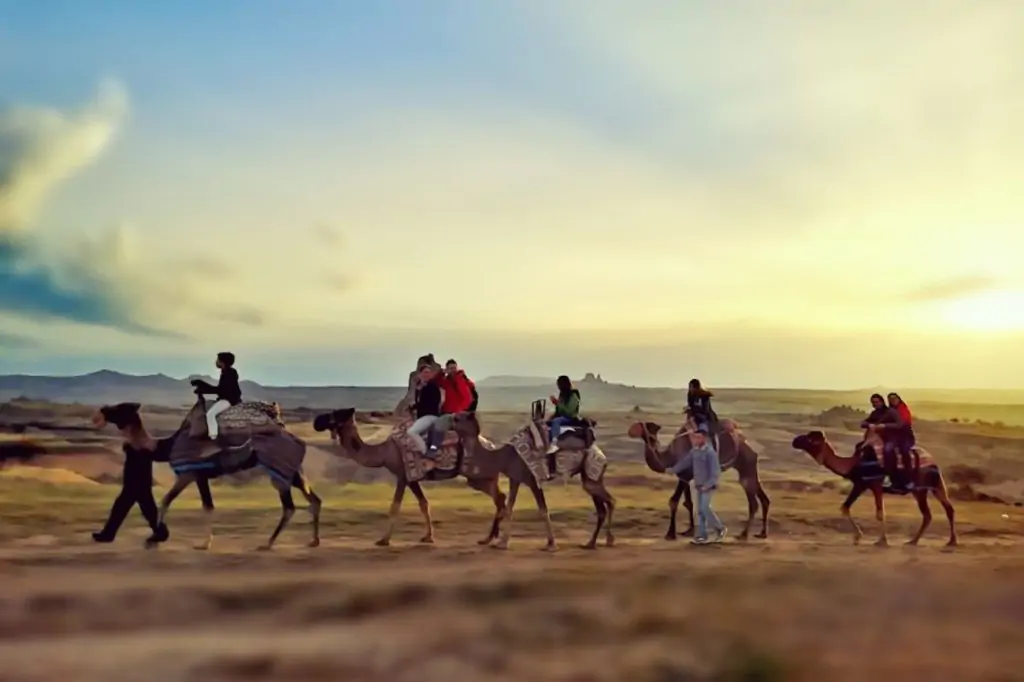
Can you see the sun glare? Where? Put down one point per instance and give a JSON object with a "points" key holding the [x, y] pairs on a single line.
{"points": [[992, 311]]}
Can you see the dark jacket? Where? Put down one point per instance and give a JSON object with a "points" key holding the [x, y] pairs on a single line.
{"points": [[228, 388], [699, 406], [888, 417], [138, 468], [428, 400]]}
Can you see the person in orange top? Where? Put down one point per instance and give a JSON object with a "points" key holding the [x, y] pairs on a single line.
{"points": [[903, 438]]}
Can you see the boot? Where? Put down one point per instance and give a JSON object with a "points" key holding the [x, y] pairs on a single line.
{"points": [[103, 536]]}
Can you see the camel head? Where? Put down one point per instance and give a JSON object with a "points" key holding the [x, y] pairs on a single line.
{"points": [[644, 431], [342, 426], [121, 415], [812, 442], [466, 425]]}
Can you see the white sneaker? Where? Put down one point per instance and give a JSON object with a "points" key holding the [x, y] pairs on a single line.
{"points": [[721, 534]]}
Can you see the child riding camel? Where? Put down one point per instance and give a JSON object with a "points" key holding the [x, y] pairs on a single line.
{"points": [[227, 390]]}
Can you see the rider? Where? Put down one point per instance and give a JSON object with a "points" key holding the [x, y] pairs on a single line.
{"points": [[567, 409], [227, 390], [887, 422], [459, 396], [903, 439], [409, 399], [698, 407], [427, 408]]}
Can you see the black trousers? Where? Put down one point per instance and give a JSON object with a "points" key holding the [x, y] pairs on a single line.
{"points": [[136, 488]]}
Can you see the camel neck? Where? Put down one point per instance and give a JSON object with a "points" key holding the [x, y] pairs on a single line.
{"points": [[372, 455], [138, 438], [841, 466]]}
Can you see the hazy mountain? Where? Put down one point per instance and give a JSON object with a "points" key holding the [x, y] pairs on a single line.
{"points": [[496, 393]]}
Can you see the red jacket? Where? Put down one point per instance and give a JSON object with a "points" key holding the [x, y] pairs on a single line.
{"points": [[904, 413], [458, 392]]}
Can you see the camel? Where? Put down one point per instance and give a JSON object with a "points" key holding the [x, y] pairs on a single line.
{"points": [[279, 453], [734, 453], [510, 462], [865, 472], [394, 453]]}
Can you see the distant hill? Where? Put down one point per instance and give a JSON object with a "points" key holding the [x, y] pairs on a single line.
{"points": [[505, 393]]}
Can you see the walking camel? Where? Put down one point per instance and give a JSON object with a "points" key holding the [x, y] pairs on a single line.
{"points": [[865, 472], [397, 454], [576, 458], [734, 453], [274, 450]]}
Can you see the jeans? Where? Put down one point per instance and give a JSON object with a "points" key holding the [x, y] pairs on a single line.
{"points": [[418, 428], [705, 515], [435, 436], [211, 417], [555, 427]]}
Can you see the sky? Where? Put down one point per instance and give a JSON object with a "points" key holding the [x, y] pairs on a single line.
{"points": [[791, 194]]}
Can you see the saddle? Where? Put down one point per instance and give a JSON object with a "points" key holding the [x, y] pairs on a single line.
{"points": [[242, 420], [581, 429], [445, 464]]}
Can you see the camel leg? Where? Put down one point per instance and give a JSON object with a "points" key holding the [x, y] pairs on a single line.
{"points": [[855, 492], [284, 491], [206, 497], [609, 501], [921, 495], [942, 495], [513, 492], [396, 506], [766, 502], [750, 492], [883, 539], [421, 497], [180, 484], [315, 505], [602, 513], [688, 505], [542, 508], [673, 508], [490, 486]]}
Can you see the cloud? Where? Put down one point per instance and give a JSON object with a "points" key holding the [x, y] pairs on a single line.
{"points": [[328, 235], [10, 341], [953, 288]]}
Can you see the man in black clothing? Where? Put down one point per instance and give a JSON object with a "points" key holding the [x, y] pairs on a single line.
{"points": [[427, 408], [227, 390], [136, 488]]}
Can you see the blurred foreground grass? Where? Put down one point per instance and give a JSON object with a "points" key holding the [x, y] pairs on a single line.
{"points": [[804, 606]]}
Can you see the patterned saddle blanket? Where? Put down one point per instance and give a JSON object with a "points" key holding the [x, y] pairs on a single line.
{"points": [[531, 444], [417, 467], [244, 419]]}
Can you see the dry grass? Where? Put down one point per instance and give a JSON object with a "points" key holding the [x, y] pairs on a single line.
{"points": [[805, 605]]}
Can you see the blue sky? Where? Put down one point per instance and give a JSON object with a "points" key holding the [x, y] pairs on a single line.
{"points": [[742, 192]]}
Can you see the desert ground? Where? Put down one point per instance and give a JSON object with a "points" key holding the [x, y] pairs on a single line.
{"points": [[803, 605]]}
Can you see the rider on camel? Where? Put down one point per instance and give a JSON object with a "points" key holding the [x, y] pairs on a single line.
{"points": [[459, 396], [227, 390], [427, 408], [886, 421], [698, 408], [567, 409]]}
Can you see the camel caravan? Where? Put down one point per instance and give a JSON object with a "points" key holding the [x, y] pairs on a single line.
{"points": [[438, 437]]}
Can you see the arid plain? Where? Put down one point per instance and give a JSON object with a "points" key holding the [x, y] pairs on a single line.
{"points": [[803, 605]]}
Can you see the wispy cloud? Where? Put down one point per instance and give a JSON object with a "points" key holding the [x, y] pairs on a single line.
{"points": [[948, 289]]}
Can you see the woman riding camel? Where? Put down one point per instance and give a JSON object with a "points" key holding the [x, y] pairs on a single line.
{"points": [[903, 439], [698, 406], [886, 421], [567, 409]]}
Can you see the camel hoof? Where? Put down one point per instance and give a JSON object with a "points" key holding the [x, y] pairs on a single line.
{"points": [[882, 542], [150, 544], [383, 542], [762, 536], [911, 543], [857, 539], [264, 548], [953, 543], [687, 533], [609, 541], [742, 537], [589, 545], [550, 548], [427, 539], [485, 541], [501, 545], [670, 536], [315, 542]]}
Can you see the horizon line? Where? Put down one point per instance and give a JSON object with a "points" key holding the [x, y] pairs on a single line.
{"points": [[868, 389]]}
